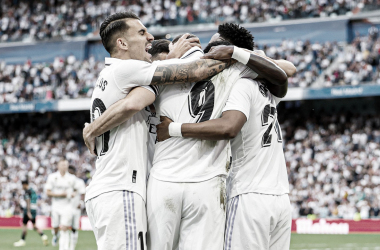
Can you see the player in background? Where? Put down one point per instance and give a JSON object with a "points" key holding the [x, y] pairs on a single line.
{"points": [[60, 187], [77, 206], [30, 212], [121, 166], [259, 211]]}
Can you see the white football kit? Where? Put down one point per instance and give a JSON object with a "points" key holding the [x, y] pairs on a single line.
{"points": [[259, 212], [80, 189], [186, 186], [61, 211], [115, 198]]}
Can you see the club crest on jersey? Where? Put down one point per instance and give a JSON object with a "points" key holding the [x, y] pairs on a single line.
{"points": [[201, 100]]}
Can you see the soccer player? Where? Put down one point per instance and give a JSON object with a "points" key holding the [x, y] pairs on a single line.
{"points": [[259, 211], [60, 186], [77, 206], [121, 166], [30, 212]]}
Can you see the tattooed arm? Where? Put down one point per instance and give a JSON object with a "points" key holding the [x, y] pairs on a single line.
{"points": [[188, 72]]}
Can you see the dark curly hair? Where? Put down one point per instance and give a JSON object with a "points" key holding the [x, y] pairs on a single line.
{"points": [[237, 35], [159, 46], [112, 26], [216, 43]]}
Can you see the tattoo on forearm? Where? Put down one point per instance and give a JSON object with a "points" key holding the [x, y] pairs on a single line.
{"points": [[189, 72]]}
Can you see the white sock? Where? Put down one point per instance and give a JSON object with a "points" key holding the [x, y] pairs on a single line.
{"points": [[64, 240], [74, 240]]}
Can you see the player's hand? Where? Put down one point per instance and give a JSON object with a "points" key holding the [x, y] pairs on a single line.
{"points": [[221, 52], [88, 139], [178, 49], [163, 128], [29, 215]]}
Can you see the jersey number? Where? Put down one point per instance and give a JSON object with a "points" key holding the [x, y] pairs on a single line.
{"points": [[267, 137], [98, 108], [201, 100]]}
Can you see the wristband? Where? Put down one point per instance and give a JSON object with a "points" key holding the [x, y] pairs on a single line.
{"points": [[175, 129], [241, 55]]}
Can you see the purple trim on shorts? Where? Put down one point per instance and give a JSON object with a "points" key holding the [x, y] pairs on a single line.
{"points": [[134, 220], [126, 221], [230, 226], [130, 219]]}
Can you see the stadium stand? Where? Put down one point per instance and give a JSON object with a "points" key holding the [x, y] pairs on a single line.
{"points": [[22, 20], [69, 78], [333, 160], [62, 79]]}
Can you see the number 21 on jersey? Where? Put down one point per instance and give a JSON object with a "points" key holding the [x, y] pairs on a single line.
{"points": [[270, 112]]}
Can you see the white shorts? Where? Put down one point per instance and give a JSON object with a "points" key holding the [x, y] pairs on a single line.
{"points": [[76, 219], [188, 216], [118, 219], [258, 221], [61, 217]]}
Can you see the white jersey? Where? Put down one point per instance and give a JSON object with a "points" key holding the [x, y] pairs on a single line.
{"points": [[192, 160], [80, 189], [59, 184], [122, 151], [258, 162]]}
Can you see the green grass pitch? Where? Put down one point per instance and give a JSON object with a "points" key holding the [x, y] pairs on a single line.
{"points": [[299, 241]]}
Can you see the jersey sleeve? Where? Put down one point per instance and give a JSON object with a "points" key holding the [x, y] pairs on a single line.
{"points": [[241, 97], [276, 99], [28, 194], [155, 89], [132, 73], [246, 72], [49, 183]]}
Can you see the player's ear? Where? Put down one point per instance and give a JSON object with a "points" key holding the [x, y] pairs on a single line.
{"points": [[122, 43]]}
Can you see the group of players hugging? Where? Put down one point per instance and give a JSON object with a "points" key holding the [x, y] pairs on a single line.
{"points": [[188, 145]]}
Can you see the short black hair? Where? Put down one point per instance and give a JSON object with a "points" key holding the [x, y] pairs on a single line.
{"points": [[113, 25], [179, 36], [25, 181], [237, 35], [216, 43], [159, 46], [71, 167]]}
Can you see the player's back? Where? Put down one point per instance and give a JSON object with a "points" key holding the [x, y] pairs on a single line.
{"points": [[122, 151], [258, 163], [191, 160]]}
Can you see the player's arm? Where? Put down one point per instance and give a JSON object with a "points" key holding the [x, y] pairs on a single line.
{"points": [[285, 65], [116, 114], [194, 71], [272, 74], [224, 128], [29, 213], [236, 113], [51, 194]]}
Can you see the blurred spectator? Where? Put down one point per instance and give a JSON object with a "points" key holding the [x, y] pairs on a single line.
{"points": [[52, 19]]}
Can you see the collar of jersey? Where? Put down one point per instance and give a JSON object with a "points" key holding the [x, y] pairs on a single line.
{"points": [[111, 60], [194, 52]]}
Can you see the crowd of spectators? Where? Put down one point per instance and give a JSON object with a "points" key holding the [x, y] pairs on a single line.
{"points": [[309, 58], [64, 78], [333, 165], [52, 19], [359, 63], [68, 78], [333, 161], [30, 146]]}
